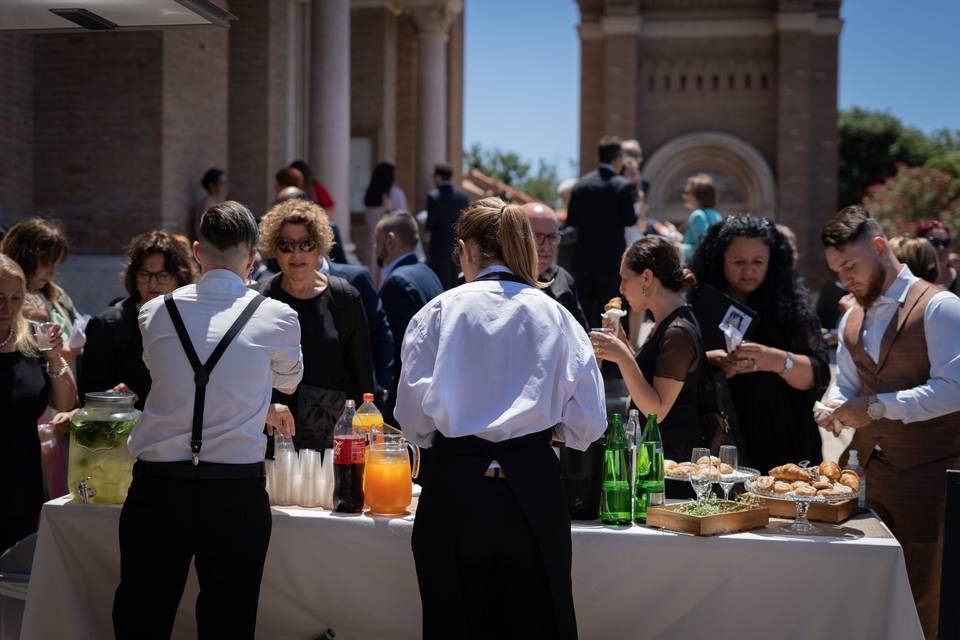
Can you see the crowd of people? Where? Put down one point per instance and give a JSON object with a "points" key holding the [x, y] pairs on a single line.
{"points": [[492, 307]]}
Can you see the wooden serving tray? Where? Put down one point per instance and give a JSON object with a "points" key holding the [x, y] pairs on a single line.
{"points": [[666, 517], [832, 512]]}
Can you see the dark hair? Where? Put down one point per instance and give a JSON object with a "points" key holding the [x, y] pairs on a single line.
{"points": [[849, 225], [443, 170], [380, 183], [303, 168], [35, 242], [702, 189], [403, 225], [211, 178], [290, 177], [662, 258], [176, 259], [782, 299], [228, 225], [926, 226], [609, 149]]}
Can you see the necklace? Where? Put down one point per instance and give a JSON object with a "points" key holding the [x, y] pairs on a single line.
{"points": [[7, 339]]}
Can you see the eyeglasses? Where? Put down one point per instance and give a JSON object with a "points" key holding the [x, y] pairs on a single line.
{"points": [[940, 242], [162, 277], [541, 238], [289, 246]]}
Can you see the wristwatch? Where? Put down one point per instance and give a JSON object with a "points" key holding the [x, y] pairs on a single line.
{"points": [[875, 408], [787, 364]]}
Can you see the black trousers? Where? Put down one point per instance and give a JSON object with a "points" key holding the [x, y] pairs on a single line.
{"points": [[223, 524], [595, 290], [504, 589]]}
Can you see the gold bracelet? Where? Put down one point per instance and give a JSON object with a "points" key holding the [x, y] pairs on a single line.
{"points": [[62, 372]]}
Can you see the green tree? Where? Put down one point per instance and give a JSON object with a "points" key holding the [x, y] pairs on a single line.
{"points": [[509, 168], [871, 143]]}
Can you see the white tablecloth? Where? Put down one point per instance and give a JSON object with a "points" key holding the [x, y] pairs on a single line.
{"points": [[356, 575]]}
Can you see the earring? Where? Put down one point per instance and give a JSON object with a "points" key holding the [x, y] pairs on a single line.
{"points": [[645, 292]]}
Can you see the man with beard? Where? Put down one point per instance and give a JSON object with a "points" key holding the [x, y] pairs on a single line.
{"points": [[546, 235], [898, 385]]}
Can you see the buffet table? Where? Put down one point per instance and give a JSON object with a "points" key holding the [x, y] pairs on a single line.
{"points": [[355, 574]]}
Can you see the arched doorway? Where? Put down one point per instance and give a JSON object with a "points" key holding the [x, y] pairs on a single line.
{"points": [[743, 178]]}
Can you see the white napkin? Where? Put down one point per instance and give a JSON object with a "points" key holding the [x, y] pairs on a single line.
{"points": [[78, 335], [821, 410], [731, 335]]}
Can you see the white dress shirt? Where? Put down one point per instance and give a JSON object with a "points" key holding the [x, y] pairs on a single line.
{"points": [[938, 396], [264, 355], [498, 360]]}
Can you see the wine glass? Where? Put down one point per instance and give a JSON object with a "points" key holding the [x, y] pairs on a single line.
{"points": [[700, 475], [728, 456]]}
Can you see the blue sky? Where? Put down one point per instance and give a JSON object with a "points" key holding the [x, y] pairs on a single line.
{"points": [[522, 70]]}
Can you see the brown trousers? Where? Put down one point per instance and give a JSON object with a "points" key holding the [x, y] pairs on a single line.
{"points": [[911, 503]]}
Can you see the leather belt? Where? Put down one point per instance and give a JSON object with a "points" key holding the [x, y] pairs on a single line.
{"points": [[495, 472], [186, 470]]}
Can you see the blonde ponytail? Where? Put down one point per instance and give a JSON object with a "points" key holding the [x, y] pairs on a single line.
{"points": [[503, 234]]}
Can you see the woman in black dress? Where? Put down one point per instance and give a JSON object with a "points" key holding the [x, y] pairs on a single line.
{"points": [[664, 375], [333, 325], [29, 380], [157, 263], [775, 378]]}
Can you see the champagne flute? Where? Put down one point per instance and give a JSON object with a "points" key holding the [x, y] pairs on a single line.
{"points": [[700, 476], [728, 456]]}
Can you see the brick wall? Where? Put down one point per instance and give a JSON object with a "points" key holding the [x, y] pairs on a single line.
{"points": [[406, 156], [591, 102], [98, 135], [258, 77], [194, 117], [16, 127], [367, 56]]}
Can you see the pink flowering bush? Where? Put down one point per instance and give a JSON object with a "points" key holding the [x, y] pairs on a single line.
{"points": [[915, 193]]}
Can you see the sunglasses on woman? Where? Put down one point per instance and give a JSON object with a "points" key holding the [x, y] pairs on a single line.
{"points": [[940, 242], [289, 246]]}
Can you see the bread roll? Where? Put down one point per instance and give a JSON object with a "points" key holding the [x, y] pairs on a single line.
{"points": [[830, 469], [782, 487], [823, 483], [725, 468], [850, 479], [791, 473], [799, 483], [805, 490], [845, 489], [763, 483]]}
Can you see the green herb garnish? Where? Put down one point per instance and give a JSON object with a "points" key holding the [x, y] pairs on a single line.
{"points": [[99, 434], [716, 506]]}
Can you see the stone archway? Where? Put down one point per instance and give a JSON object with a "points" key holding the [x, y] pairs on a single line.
{"points": [[744, 179]]}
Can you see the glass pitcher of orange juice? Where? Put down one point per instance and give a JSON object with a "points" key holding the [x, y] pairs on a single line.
{"points": [[388, 485]]}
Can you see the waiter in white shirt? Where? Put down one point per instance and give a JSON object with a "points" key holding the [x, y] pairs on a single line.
{"points": [[214, 350], [898, 385], [488, 367]]}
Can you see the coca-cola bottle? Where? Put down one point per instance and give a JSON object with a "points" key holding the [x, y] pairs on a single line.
{"points": [[349, 448]]}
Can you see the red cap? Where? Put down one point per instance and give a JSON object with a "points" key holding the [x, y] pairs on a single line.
{"points": [[368, 397]]}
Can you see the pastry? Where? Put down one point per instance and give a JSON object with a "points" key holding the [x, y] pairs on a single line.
{"points": [[791, 473], [842, 489], [830, 469], [614, 303], [823, 483], [763, 483], [850, 479], [782, 487], [805, 490], [714, 460], [669, 466], [799, 483], [725, 468]]}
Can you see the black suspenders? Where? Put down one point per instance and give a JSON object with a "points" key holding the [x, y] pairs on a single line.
{"points": [[201, 372]]}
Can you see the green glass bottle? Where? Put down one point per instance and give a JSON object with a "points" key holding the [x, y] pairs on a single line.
{"points": [[649, 485], [615, 492]]}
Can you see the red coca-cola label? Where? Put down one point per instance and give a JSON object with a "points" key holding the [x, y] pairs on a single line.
{"points": [[348, 449]]}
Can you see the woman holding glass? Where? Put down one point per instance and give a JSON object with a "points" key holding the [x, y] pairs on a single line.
{"points": [[157, 263], [663, 377], [333, 325], [488, 368], [775, 379], [30, 379]]}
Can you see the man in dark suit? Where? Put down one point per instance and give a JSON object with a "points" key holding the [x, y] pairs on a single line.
{"points": [[546, 234], [444, 204], [381, 338], [601, 207], [408, 284]]}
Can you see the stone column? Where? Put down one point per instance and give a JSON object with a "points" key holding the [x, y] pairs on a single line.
{"points": [[621, 31], [330, 103], [592, 92], [433, 28]]}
